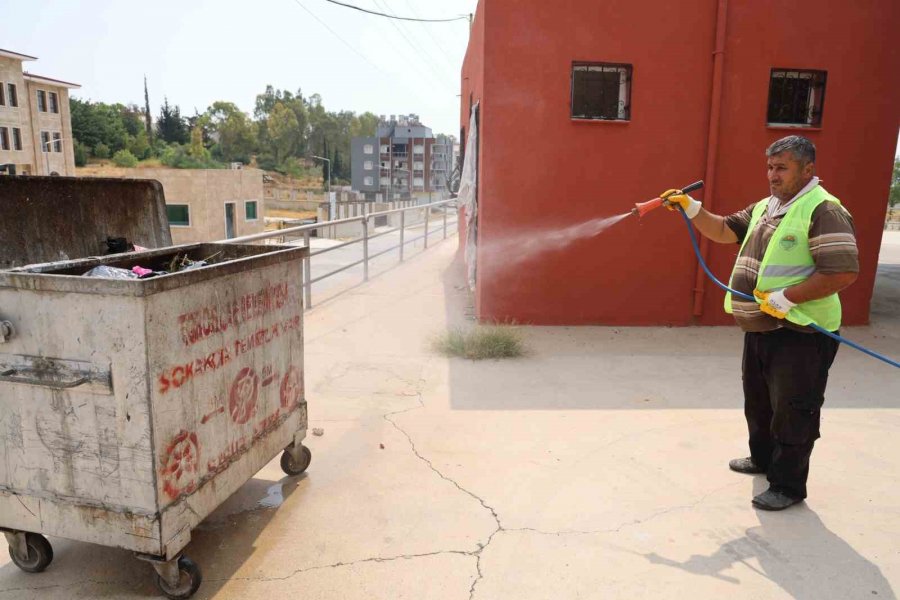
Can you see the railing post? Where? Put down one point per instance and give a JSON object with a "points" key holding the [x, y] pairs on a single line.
{"points": [[427, 212], [402, 224], [445, 221], [365, 228], [307, 275]]}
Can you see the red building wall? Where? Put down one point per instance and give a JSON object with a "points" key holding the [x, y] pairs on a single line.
{"points": [[541, 171]]}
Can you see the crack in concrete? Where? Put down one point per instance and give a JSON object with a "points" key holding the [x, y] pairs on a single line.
{"points": [[481, 547]]}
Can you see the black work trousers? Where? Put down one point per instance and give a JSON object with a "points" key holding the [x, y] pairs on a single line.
{"points": [[785, 373]]}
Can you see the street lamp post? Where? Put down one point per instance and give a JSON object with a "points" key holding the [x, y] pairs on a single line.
{"points": [[331, 206], [47, 153]]}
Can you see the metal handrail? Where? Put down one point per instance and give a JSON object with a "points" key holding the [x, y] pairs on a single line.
{"points": [[363, 220]]}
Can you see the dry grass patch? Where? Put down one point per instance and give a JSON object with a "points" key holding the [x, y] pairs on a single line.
{"points": [[479, 343]]}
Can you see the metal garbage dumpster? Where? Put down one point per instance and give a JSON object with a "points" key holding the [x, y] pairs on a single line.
{"points": [[130, 409]]}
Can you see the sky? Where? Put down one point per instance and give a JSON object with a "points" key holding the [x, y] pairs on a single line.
{"points": [[195, 52]]}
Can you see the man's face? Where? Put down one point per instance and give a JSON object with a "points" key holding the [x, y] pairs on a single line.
{"points": [[787, 175]]}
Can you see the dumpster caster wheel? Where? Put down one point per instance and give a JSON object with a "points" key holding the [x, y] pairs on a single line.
{"points": [[189, 580], [37, 555], [293, 466]]}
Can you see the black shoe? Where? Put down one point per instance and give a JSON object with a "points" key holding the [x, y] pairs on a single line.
{"points": [[774, 500], [745, 465]]}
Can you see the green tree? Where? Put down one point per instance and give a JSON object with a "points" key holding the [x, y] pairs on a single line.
{"points": [[171, 126], [101, 150], [96, 123], [132, 118], [283, 131], [197, 149], [139, 145], [265, 105], [235, 133], [364, 125], [148, 120]]}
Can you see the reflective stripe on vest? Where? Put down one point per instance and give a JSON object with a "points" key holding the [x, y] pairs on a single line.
{"points": [[788, 271], [788, 261]]}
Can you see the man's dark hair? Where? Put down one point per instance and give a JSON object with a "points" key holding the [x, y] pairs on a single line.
{"points": [[803, 150]]}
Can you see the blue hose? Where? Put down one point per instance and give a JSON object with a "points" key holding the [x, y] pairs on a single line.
{"points": [[831, 334]]}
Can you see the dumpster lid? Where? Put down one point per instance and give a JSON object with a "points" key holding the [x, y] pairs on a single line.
{"points": [[47, 219]]}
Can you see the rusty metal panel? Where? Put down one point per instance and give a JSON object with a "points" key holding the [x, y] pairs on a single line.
{"points": [[60, 218], [73, 403], [226, 372]]}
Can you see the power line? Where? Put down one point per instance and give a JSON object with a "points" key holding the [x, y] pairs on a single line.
{"points": [[433, 39], [381, 14], [413, 45], [333, 32], [355, 51]]}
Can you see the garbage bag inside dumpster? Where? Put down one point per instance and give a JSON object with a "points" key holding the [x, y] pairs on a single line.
{"points": [[134, 407]]}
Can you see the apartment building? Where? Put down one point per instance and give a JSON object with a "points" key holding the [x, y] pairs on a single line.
{"points": [[35, 124], [402, 160]]}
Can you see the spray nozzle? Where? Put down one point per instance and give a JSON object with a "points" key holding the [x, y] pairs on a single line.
{"points": [[642, 208]]}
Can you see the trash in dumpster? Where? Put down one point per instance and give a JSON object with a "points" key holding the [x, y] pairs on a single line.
{"points": [[185, 263], [108, 272], [118, 245]]}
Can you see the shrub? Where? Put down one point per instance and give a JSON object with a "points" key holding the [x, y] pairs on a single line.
{"points": [[481, 342], [81, 154], [178, 157], [101, 150], [124, 158], [294, 167]]}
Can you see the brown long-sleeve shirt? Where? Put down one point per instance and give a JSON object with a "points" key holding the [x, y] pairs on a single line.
{"points": [[832, 242]]}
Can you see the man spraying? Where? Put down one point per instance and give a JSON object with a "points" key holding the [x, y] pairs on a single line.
{"points": [[798, 250]]}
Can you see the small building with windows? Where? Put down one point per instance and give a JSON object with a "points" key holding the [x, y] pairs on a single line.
{"points": [[35, 124], [205, 205], [582, 112]]}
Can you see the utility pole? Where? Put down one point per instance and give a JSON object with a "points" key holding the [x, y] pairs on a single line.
{"points": [[331, 207]]}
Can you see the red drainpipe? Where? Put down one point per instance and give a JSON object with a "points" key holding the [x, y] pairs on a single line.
{"points": [[712, 146]]}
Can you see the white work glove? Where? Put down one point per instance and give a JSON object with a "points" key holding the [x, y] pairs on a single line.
{"points": [[690, 206], [774, 303]]}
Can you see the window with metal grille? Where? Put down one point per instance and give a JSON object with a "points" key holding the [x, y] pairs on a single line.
{"points": [[54, 102], [796, 97], [179, 215], [12, 96], [2, 94], [17, 138], [45, 141], [57, 142], [601, 91], [4, 138], [42, 100]]}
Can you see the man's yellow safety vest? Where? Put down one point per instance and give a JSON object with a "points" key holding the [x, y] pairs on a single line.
{"points": [[788, 261]]}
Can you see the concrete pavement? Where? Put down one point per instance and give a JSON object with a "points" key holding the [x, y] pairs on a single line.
{"points": [[595, 467]]}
